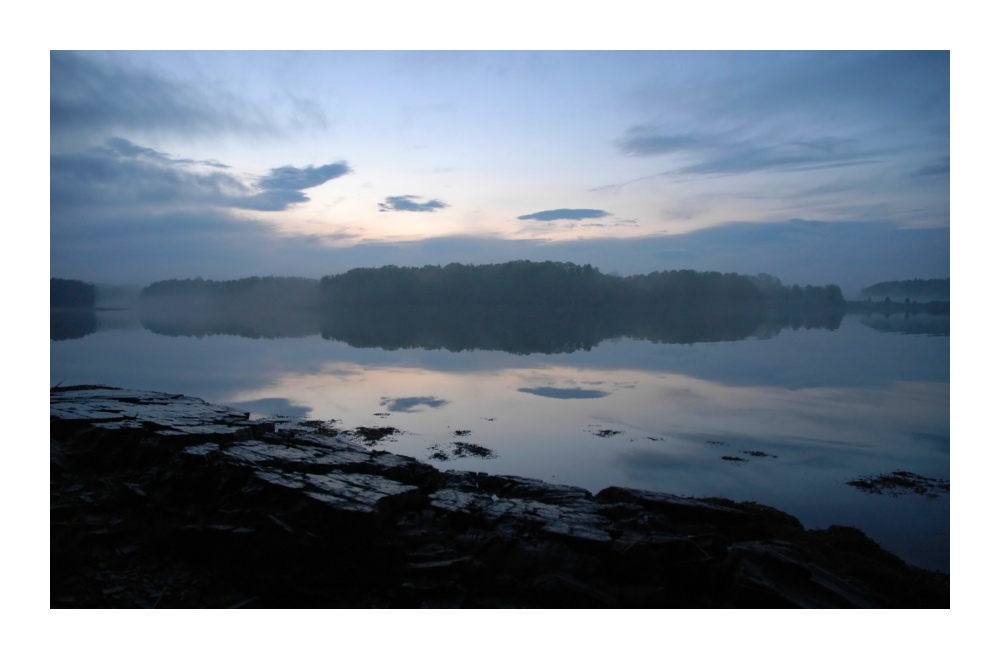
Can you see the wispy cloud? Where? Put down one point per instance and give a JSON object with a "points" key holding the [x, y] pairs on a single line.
{"points": [[565, 214], [786, 122], [91, 95], [726, 153], [122, 179], [941, 166], [119, 146], [410, 203], [647, 141]]}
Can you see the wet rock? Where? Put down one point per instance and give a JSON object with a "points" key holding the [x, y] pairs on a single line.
{"points": [[456, 450], [901, 482], [164, 500], [374, 435]]}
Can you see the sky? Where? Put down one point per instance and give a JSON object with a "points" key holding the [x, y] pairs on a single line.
{"points": [[816, 167]]}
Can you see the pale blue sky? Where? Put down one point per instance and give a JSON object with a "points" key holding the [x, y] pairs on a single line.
{"points": [[817, 167]]}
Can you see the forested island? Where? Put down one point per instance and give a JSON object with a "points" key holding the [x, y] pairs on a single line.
{"points": [[520, 283], [518, 306]]}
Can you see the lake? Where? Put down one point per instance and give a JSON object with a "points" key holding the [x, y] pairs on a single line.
{"points": [[786, 417]]}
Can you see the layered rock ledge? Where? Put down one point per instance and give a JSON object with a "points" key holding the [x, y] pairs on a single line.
{"points": [[162, 500]]}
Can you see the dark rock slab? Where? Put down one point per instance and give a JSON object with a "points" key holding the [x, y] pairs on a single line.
{"points": [[165, 500], [162, 415]]}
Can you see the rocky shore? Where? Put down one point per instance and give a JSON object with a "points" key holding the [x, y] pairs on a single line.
{"points": [[161, 500]]}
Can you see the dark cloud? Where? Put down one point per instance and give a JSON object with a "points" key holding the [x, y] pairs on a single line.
{"points": [[99, 94], [106, 176], [282, 187], [127, 177], [119, 146], [565, 214], [300, 178], [564, 392], [407, 404], [271, 200], [410, 203]]}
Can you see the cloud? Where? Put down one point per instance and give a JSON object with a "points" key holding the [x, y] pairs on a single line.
{"points": [[283, 186], [564, 392], [407, 404], [645, 141], [811, 118], [126, 178], [271, 200], [93, 94], [941, 166], [119, 146], [757, 92], [728, 154], [122, 176], [410, 203], [300, 178], [565, 214]]}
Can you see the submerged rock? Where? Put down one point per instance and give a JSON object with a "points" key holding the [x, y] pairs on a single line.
{"points": [[169, 501]]}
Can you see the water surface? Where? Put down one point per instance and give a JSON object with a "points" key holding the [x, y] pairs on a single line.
{"points": [[785, 420]]}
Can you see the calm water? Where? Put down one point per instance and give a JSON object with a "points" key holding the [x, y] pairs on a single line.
{"points": [[825, 406]]}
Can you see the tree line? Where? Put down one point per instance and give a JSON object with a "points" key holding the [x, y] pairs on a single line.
{"points": [[71, 294], [528, 283], [515, 283], [518, 306], [246, 293]]}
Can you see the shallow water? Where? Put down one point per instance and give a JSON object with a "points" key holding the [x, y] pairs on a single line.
{"points": [[785, 420]]}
